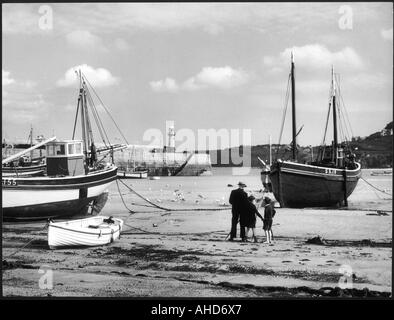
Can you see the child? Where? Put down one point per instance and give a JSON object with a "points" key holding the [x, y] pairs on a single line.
{"points": [[249, 217], [269, 213]]}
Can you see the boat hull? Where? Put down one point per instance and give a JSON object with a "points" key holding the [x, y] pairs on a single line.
{"points": [[298, 185], [84, 232], [44, 197], [133, 175]]}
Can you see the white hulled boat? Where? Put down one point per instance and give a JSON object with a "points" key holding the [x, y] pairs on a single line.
{"points": [[75, 179]]}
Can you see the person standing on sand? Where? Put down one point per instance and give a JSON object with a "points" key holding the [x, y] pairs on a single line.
{"points": [[269, 213], [238, 200], [248, 220]]}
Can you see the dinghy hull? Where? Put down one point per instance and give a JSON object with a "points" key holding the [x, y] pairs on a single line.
{"points": [[89, 232]]}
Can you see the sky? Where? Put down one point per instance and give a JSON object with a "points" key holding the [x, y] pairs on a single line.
{"points": [[218, 66]]}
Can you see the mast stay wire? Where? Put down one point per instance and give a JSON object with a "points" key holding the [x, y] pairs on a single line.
{"points": [[284, 114], [97, 119], [106, 110]]}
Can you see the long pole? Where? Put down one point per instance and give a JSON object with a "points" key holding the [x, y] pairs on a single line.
{"points": [[334, 115], [270, 151], [31, 141], [17, 155], [293, 109]]}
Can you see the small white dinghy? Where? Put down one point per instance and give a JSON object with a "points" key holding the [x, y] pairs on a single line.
{"points": [[94, 231]]}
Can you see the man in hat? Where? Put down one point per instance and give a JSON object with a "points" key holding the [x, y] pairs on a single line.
{"points": [[238, 200]]}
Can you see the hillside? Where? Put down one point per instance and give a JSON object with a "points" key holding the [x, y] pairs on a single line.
{"points": [[374, 151]]}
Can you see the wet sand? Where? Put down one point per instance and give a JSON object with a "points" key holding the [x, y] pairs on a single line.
{"points": [[184, 253]]}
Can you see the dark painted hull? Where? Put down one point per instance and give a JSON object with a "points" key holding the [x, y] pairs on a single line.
{"points": [[37, 198], [298, 186]]}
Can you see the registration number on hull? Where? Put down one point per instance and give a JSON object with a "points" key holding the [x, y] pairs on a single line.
{"points": [[8, 182], [330, 171]]}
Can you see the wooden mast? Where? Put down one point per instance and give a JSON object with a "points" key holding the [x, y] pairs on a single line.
{"points": [[334, 115], [83, 100], [293, 110]]}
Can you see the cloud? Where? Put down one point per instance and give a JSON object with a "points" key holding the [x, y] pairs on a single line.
{"points": [[387, 34], [83, 38], [222, 77], [99, 77], [209, 77], [315, 56], [213, 18], [166, 85], [6, 80]]}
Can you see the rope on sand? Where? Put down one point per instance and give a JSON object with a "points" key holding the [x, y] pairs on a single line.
{"points": [[170, 233], [375, 187], [169, 209], [25, 245]]}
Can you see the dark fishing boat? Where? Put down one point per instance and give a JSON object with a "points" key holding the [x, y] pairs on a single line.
{"points": [[328, 180], [75, 179], [24, 165]]}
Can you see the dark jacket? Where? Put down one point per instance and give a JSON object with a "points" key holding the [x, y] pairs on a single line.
{"points": [[238, 199], [248, 217], [269, 212]]}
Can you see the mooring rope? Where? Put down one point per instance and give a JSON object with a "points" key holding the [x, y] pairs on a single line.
{"points": [[375, 187], [25, 245], [171, 233], [121, 197], [171, 209]]}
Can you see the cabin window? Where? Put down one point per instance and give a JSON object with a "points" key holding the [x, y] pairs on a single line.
{"points": [[78, 148], [71, 148], [51, 150], [60, 150]]}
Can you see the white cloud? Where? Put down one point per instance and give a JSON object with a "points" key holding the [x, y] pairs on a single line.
{"points": [[6, 80], [315, 56], [168, 84], [99, 77], [222, 77], [83, 38], [387, 34], [209, 77]]}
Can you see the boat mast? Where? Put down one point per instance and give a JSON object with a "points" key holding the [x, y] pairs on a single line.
{"points": [[293, 110], [334, 115], [31, 142], [83, 100]]}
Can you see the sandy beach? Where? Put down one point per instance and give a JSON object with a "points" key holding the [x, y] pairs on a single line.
{"points": [[184, 253]]}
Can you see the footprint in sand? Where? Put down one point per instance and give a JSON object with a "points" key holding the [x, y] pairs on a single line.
{"points": [[305, 260], [286, 261]]}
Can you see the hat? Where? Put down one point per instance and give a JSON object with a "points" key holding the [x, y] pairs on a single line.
{"points": [[241, 184], [251, 198], [267, 199]]}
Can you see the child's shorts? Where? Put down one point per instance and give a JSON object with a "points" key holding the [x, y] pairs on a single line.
{"points": [[267, 224]]}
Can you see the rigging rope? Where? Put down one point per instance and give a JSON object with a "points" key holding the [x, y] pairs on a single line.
{"points": [[106, 110], [284, 114]]}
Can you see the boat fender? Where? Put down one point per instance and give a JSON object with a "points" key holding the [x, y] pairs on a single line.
{"points": [[99, 234], [112, 235]]}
